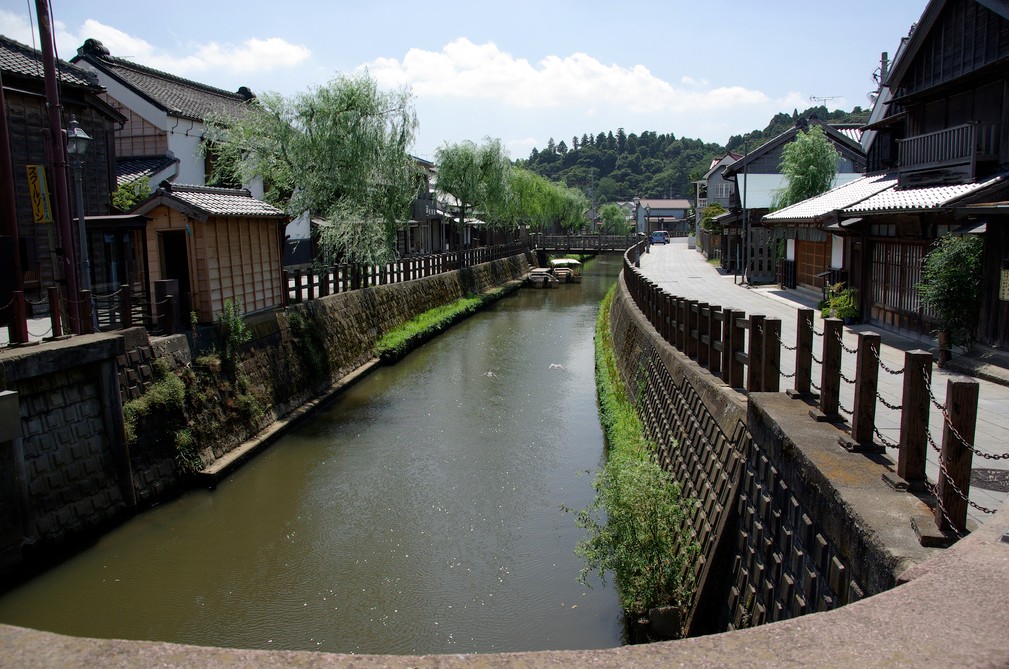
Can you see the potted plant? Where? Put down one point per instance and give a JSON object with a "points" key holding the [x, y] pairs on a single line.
{"points": [[841, 304]]}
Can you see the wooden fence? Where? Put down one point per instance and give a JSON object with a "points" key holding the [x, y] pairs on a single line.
{"points": [[308, 282]]}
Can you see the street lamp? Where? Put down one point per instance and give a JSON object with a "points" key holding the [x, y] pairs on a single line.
{"points": [[77, 145]]}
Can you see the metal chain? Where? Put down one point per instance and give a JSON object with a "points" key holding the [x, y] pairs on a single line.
{"points": [[882, 365], [784, 345], [945, 416], [891, 407], [44, 334], [844, 410], [845, 378], [852, 351], [960, 493], [786, 376], [938, 502], [815, 359], [889, 443], [7, 305], [815, 333], [813, 385]]}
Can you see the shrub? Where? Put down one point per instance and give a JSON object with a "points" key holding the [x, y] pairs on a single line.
{"points": [[635, 522], [951, 285], [233, 331]]}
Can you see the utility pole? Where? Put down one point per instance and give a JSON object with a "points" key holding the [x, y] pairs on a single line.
{"points": [[58, 163]]}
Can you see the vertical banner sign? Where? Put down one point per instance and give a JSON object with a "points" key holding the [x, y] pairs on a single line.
{"points": [[39, 191], [1003, 293]]}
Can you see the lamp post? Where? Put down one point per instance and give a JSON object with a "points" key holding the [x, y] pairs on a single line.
{"points": [[77, 145]]}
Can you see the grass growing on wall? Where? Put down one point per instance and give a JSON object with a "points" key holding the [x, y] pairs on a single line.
{"points": [[396, 343], [634, 522]]}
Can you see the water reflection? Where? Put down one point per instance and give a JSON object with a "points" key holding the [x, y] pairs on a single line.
{"points": [[420, 513]]}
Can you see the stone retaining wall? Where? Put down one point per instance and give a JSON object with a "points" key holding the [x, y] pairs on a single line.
{"points": [[70, 474], [789, 523]]}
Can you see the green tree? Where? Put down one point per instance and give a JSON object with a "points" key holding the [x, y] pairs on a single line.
{"points": [[131, 193], [950, 287], [338, 151], [477, 177], [614, 220], [809, 164], [708, 216]]}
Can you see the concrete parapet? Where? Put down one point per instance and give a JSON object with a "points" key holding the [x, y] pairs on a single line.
{"points": [[949, 612]]}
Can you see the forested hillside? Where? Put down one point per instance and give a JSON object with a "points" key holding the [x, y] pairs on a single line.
{"points": [[617, 166]]}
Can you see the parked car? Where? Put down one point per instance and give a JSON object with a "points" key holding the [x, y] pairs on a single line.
{"points": [[660, 237]]}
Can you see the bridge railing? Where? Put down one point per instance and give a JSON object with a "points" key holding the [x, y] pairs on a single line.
{"points": [[584, 242], [746, 351], [307, 282]]}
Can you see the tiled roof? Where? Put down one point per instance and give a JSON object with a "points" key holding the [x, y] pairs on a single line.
{"points": [[175, 95], [917, 199], [221, 201], [20, 59], [852, 132], [129, 169], [835, 199], [665, 204]]}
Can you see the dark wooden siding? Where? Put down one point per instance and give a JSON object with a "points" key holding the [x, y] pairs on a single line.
{"points": [[29, 146], [966, 37], [993, 326]]}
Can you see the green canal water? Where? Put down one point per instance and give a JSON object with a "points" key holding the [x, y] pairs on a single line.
{"points": [[418, 513]]}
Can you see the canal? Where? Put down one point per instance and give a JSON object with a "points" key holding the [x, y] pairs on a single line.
{"points": [[421, 512]]}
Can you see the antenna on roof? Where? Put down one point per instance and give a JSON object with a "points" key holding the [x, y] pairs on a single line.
{"points": [[813, 98]]}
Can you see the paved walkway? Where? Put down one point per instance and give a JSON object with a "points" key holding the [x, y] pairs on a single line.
{"points": [[684, 272]]}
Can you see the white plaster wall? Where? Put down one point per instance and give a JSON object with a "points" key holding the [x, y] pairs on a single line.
{"points": [[836, 252]]}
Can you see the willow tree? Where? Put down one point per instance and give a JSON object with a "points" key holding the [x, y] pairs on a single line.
{"points": [[477, 177], [613, 218], [809, 164], [338, 151], [526, 199]]}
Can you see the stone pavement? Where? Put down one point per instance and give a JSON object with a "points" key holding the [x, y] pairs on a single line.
{"points": [[684, 272]]}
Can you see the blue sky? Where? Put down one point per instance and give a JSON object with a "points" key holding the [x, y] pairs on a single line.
{"points": [[522, 71]]}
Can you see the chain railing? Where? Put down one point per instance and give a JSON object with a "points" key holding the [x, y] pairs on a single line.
{"points": [[749, 348]]}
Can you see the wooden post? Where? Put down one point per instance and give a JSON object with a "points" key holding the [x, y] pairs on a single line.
{"points": [[715, 317], [956, 456], [682, 306], [914, 418], [703, 342], [126, 306], [19, 328], [297, 285], [772, 355], [167, 317], [667, 317], [863, 417], [755, 355], [87, 312], [830, 370], [312, 278], [803, 353], [690, 326], [735, 348], [55, 311]]}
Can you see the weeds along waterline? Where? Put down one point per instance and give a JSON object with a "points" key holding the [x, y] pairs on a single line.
{"points": [[635, 523]]}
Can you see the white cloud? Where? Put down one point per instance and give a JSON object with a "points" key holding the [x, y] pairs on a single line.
{"points": [[463, 69], [688, 80], [16, 27], [252, 55]]}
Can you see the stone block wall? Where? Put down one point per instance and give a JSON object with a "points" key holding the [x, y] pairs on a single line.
{"points": [[789, 523], [71, 473]]}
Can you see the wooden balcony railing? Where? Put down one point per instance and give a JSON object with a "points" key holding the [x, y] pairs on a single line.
{"points": [[960, 145]]}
